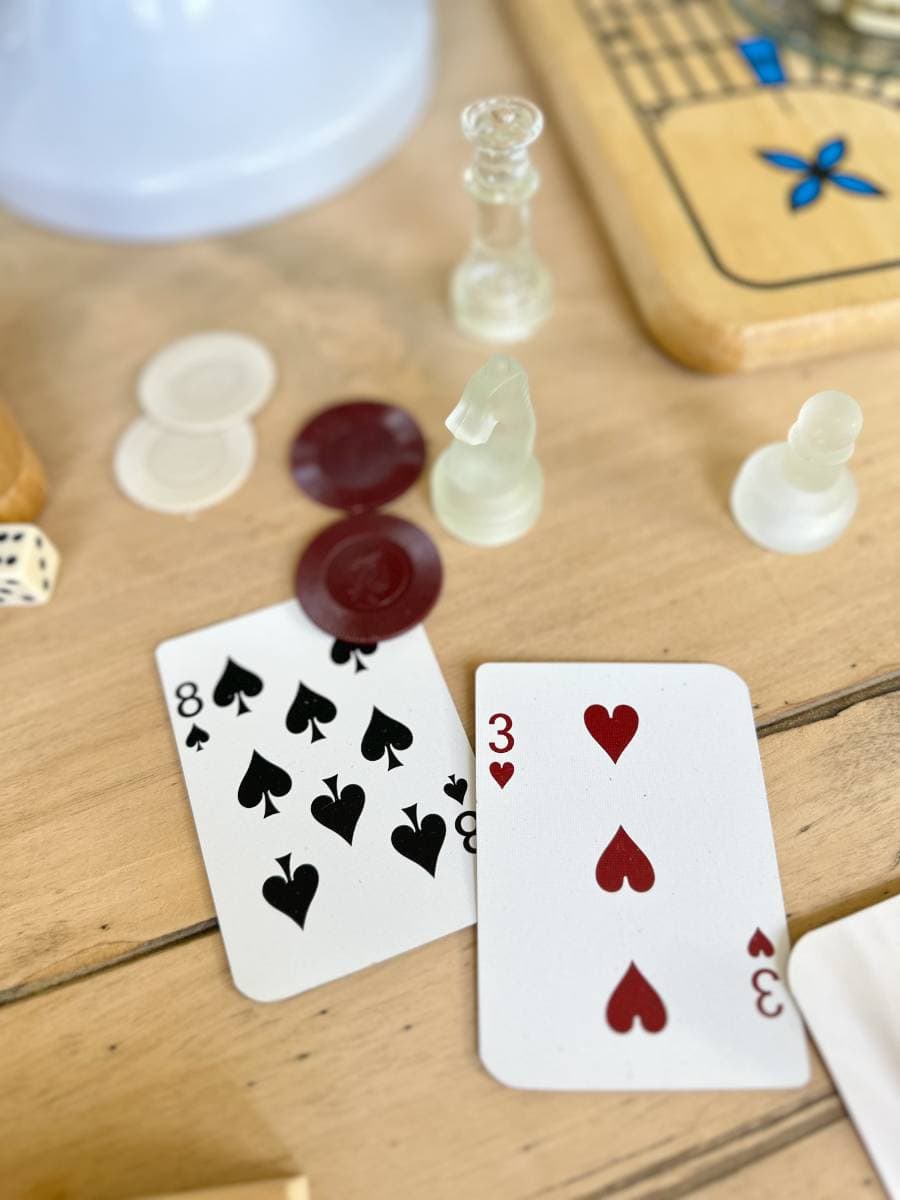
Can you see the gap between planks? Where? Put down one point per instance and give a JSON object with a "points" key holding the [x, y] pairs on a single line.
{"points": [[744, 1147], [822, 709], [702, 1165], [830, 705]]}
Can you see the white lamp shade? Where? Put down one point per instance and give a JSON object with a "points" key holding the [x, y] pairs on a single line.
{"points": [[159, 119]]}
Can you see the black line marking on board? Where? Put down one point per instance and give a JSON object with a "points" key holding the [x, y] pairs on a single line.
{"points": [[698, 41], [673, 51], [642, 56], [647, 116]]}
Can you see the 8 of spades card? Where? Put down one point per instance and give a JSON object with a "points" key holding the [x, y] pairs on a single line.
{"points": [[327, 795]]}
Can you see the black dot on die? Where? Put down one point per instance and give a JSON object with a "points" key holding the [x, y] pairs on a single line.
{"points": [[45, 584], [42, 563], [3, 537], [28, 599], [11, 560], [5, 591], [39, 541], [17, 537]]}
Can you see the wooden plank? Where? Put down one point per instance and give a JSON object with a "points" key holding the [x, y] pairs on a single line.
{"points": [[830, 1165], [667, 119], [833, 795], [635, 557], [371, 1085], [158, 1075], [725, 1155], [281, 1189]]}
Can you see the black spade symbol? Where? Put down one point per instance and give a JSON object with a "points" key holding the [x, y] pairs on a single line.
{"points": [[292, 895], [309, 710], [456, 789], [235, 683], [262, 780], [385, 734], [197, 737], [422, 843], [340, 811], [342, 652]]}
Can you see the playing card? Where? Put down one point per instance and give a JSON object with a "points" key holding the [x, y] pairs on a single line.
{"points": [[846, 979], [331, 789], [631, 924]]}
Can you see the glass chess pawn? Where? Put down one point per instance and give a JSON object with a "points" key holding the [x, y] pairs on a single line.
{"points": [[799, 496]]}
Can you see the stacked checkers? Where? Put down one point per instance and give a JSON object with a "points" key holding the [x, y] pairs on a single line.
{"points": [[194, 445], [369, 576]]}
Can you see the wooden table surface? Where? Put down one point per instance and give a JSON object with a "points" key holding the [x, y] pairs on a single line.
{"points": [[130, 1064]]}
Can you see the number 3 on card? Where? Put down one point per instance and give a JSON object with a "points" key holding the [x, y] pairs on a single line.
{"points": [[504, 731]]}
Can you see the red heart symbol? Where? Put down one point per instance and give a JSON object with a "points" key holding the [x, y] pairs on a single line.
{"points": [[502, 772], [634, 997], [624, 859], [760, 944], [611, 733]]}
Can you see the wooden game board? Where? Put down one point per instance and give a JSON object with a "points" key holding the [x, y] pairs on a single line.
{"points": [[670, 106]]}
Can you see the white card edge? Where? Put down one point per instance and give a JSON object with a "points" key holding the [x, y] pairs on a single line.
{"points": [[176, 637], [376, 962], [582, 662]]}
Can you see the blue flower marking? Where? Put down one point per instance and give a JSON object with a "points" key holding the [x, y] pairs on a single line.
{"points": [[818, 171]]}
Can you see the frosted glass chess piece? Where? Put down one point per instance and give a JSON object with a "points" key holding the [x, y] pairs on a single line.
{"points": [[501, 291], [798, 496], [487, 487]]}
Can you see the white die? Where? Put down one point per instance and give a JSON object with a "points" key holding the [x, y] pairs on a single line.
{"points": [[28, 565]]}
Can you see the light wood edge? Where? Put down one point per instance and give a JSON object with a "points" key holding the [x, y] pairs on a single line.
{"points": [[273, 1189], [560, 49], [24, 494]]}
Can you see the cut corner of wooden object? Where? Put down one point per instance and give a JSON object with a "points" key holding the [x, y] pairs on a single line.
{"points": [[696, 339], [698, 333], [23, 484], [295, 1188]]}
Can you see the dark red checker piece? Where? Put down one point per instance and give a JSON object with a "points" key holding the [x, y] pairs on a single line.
{"points": [[369, 577], [358, 455]]}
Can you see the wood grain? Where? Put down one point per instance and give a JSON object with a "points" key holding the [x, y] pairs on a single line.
{"points": [[830, 1165], [635, 557], [843, 855], [371, 1085], [156, 1074], [724, 274]]}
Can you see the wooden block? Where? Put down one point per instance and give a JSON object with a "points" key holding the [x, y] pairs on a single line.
{"points": [[669, 107], [273, 1189], [23, 485]]}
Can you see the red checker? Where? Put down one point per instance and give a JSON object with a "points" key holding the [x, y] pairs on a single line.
{"points": [[369, 577], [358, 455]]}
